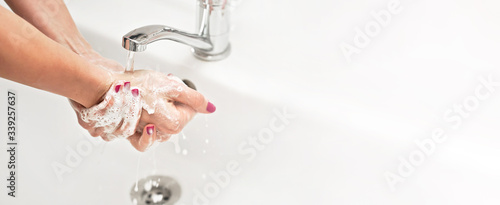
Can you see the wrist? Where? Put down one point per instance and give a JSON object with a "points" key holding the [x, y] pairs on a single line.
{"points": [[106, 79], [78, 45], [104, 83]]}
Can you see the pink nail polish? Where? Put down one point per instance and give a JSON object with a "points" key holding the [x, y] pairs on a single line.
{"points": [[210, 107], [117, 88], [150, 129], [126, 85], [135, 92]]}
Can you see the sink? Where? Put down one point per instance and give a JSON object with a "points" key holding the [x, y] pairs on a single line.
{"points": [[212, 153]]}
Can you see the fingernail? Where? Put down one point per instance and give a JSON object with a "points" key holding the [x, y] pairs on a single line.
{"points": [[210, 107], [117, 88], [135, 92], [126, 86], [150, 129]]}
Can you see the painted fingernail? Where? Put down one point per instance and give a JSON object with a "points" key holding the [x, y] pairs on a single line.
{"points": [[150, 129], [210, 107], [126, 86], [117, 88], [135, 92]]}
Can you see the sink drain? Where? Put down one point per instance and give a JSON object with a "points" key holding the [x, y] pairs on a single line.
{"points": [[155, 190]]}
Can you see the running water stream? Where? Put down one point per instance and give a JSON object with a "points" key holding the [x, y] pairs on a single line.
{"points": [[136, 188], [130, 62]]}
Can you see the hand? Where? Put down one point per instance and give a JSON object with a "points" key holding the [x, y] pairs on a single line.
{"points": [[144, 107], [168, 105]]}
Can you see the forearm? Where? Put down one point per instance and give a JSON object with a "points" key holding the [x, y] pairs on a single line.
{"points": [[54, 20], [29, 57]]}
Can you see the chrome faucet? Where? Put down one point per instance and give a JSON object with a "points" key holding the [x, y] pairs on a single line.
{"points": [[211, 43]]}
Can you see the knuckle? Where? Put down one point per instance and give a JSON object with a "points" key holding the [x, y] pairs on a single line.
{"points": [[140, 148], [177, 128], [84, 125], [174, 92], [94, 134]]}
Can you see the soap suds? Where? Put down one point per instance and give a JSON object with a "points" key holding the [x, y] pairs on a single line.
{"points": [[118, 114]]}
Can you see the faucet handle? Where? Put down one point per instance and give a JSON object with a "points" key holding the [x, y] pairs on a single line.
{"points": [[213, 24]]}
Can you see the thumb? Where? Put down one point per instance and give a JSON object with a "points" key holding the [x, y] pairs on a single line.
{"points": [[144, 141]]}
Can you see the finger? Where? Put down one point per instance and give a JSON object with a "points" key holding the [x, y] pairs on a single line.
{"points": [[118, 88], [93, 131], [166, 118], [181, 115], [96, 132], [106, 137], [78, 108], [142, 142], [186, 113], [84, 124], [193, 98], [128, 123], [125, 128]]}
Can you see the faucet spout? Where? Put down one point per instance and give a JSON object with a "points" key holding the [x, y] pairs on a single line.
{"points": [[211, 43], [138, 39]]}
